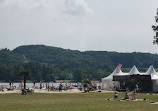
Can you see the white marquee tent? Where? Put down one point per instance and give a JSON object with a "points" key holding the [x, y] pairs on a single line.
{"points": [[108, 83], [151, 71], [134, 71], [154, 77]]}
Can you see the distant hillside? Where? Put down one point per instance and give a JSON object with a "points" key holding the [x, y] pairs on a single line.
{"points": [[9, 57], [97, 59], [53, 55], [49, 63]]}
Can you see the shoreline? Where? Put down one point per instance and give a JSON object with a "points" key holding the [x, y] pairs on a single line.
{"points": [[51, 92]]}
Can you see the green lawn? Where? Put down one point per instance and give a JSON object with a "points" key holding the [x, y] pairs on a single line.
{"points": [[73, 102]]}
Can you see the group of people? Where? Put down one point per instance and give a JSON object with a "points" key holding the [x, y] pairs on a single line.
{"points": [[87, 87], [133, 96], [8, 88], [67, 86], [52, 87], [3, 87]]}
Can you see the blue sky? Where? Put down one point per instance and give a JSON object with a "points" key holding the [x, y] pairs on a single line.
{"points": [[107, 25]]}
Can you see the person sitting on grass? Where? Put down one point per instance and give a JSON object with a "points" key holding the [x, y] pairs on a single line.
{"points": [[134, 95], [115, 96], [126, 96], [23, 92]]}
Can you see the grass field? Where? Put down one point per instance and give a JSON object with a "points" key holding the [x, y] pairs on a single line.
{"points": [[74, 102]]}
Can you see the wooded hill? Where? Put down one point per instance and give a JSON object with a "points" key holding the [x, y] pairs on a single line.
{"points": [[51, 63]]}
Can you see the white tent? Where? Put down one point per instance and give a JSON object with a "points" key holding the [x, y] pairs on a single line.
{"points": [[121, 74], [134, 70], [154, 77], [108, 83], [151, 71]]}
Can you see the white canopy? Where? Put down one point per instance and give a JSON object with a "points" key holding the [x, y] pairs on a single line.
{"points": [[116, 73], [134, 70], [108, 83], [151, 71], [111, 75]]}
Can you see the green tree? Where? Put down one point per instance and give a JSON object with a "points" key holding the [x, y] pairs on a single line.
{"points": [[24, 74], [51, 77], [78, 75], [155, 28]]}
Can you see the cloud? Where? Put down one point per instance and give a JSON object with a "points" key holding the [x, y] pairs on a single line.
{"points": [[77, 7], [70, 7], [36, 22], [25, 4], [115, 25]]}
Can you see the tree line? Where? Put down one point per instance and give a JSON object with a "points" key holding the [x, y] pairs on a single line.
{"points": [[47, 63]]}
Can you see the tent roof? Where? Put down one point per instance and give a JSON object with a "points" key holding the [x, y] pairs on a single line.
{"points": [[151, 71], [154, 76], [114, 73], [134, 70], [120, 74], [111, 75]]}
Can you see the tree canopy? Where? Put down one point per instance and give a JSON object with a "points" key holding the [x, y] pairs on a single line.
{"points": [[155, 29], [47, 63]]}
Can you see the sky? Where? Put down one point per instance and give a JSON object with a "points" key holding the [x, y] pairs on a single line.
{"points": [[98, 25]]}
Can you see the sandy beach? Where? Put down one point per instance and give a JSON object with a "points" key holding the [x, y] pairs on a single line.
{"points": [[75, 90]]}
